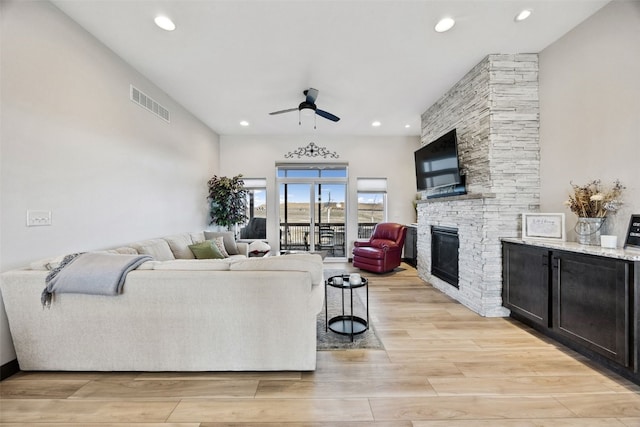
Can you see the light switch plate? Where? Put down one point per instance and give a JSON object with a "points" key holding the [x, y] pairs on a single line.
{"points": [[38, 218]]}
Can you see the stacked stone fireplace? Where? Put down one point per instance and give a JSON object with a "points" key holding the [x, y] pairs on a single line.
{"points": [[494, 109]]}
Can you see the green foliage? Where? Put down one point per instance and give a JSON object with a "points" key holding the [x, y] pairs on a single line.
{"points": [[227, 200]]}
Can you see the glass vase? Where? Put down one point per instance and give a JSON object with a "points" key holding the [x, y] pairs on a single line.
{"points": [[588, 230]]}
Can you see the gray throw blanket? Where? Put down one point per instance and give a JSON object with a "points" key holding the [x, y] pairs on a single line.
{"points": [[91, 273]]}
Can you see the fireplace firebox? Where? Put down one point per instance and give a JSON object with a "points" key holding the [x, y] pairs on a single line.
{"points": [[444, 254]]}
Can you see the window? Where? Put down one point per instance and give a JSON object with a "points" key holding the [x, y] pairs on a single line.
{"points": [[312, 171], [313, 203], [256, 225], [372, 204]]}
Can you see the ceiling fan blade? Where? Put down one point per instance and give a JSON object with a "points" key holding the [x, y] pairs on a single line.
{"points": [[284, 111], [327, 115], [312, 94]]}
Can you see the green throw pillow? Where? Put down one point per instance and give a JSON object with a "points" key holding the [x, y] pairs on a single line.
{"points": [[206, 250]]}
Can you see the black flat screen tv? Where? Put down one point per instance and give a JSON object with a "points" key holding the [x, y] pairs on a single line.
{"points": [[437, 167]]}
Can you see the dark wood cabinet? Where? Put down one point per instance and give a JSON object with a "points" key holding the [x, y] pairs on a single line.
{"points": [[586, 301], [525, 286], [590, 297], [411, 246]]}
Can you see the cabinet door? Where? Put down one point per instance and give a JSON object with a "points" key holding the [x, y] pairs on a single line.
{"points": [[410, 246], [591, 302], [525, 285]]}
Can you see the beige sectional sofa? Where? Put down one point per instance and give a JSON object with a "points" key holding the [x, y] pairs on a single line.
{"points": [[174, 314]]}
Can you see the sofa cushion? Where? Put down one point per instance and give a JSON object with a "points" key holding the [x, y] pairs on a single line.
{"points": [[158, 248], [194, 264], [46, 263], [370, 252], [125, 250], [229, 240], [197, 237], [149, 265], [206, 250], [179, 245], [311, 263]]}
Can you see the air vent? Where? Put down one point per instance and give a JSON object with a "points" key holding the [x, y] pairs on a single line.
{"points": [[149, 104]]}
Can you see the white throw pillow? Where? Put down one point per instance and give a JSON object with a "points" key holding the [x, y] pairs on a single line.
{"points": [[219, 242], [259, 246]]}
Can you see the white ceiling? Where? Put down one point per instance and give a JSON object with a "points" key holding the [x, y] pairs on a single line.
{"points": [[236, 60]]}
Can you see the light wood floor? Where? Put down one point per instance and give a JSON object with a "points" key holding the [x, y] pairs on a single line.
{"points": [[442, 366]]}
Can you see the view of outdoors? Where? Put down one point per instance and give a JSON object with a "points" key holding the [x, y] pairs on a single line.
{"points": [[312, 210], [257, 203]]}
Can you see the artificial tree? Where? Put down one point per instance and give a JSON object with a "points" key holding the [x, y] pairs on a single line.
{"points": [[227, 201]]}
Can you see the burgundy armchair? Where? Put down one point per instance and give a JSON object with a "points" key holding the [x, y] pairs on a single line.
{"points": [[383, 251]]}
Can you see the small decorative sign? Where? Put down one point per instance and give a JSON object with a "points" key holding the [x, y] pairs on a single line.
{"points": [[543, 226], [633, 234]]}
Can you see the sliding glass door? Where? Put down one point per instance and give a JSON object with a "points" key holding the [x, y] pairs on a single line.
{"points": [[313, 208], [295, 216]]}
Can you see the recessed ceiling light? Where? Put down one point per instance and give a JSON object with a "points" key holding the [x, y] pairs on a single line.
{"points": [[164, 23], [244, 123], [445, 24], [376, 124], [523, 15], [407, 126]]}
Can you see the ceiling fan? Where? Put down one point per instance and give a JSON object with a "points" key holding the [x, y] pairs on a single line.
{"points": [[308, 107]]}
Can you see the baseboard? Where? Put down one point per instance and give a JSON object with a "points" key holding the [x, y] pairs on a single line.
{"points": [[9, 369], [412, 262]]}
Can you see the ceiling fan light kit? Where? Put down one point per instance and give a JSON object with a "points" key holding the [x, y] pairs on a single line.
{"points": [[308, 108]]}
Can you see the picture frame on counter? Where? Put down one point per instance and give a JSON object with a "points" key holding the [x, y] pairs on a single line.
{"points": [[633, 233], [544, 226]]}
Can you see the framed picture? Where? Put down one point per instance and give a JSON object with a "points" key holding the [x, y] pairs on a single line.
{"points": [[543, 226], [633, 233]]}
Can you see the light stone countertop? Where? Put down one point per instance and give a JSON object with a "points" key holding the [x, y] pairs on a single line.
{"points": [[619, 253]]}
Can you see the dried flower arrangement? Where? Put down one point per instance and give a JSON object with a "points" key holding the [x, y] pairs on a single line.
{"points": [[591, 201]]}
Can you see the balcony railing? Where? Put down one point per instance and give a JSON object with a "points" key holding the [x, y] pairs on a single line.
{"points": [[328, 236], [365, 229]]}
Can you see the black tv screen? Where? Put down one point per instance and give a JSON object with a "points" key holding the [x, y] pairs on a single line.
{"points": [[437, 169]]}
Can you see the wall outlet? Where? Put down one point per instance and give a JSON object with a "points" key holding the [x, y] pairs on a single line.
{"points": [[38, 218]]}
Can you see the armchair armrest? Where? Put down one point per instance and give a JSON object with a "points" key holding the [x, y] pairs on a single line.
{"points": [[361, 243], [243, 248]]}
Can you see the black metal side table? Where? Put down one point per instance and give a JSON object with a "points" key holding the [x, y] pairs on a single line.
{"points": [[347, 323]]}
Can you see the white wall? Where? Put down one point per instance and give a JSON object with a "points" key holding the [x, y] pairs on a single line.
{"points": [[73, 143], [590, 110], [367, 157]]}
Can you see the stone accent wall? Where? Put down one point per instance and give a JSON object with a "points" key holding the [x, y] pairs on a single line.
{"points": [[494, 109]]}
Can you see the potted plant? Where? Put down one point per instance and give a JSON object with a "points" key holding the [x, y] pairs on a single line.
{"points": [[591, 203], [227, 201]]}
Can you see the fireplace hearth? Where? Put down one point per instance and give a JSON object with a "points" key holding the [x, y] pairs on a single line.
{"points": [[444, 254]]}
